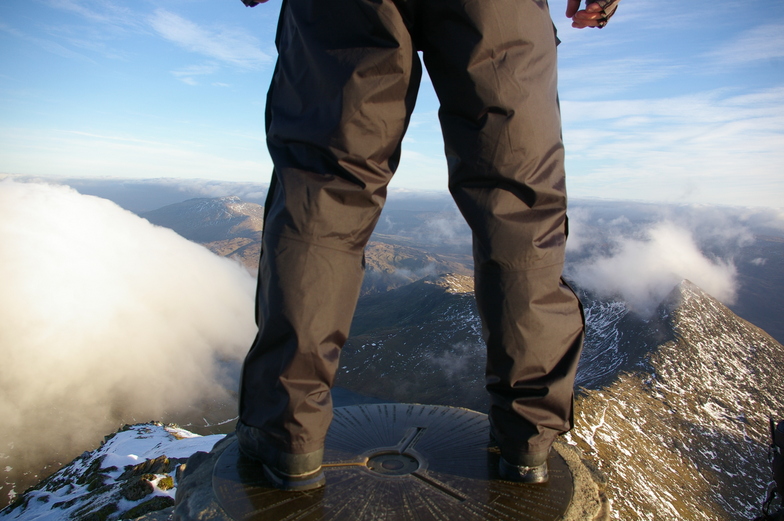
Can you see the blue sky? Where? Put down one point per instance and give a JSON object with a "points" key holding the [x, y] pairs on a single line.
{"points": [[672, 102]]}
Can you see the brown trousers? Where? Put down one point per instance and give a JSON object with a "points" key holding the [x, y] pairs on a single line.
{"points": [[339, 104]]}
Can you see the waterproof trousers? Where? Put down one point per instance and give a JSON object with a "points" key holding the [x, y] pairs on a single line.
{"points": [[340, 100]]}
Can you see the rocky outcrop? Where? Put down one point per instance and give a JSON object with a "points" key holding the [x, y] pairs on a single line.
{"points": [[133, 475]]}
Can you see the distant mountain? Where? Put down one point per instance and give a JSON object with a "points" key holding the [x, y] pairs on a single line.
{"points": [[232, 228], [389, 265], [144, 195], [227, 226], [209, 220], [673, 409], [760, 281]]}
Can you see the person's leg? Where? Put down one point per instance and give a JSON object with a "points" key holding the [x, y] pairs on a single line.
{"points": [[493, 65], [338, 106]]}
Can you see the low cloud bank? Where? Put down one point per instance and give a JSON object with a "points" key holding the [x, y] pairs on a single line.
{"points": [[639, 252], [642, 271], [105, 319]]}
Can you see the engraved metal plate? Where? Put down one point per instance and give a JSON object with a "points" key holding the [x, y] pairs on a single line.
{"points": [[398, 462]]}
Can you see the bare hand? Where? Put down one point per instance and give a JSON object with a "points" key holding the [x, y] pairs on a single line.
{"points": [[591, 16]]}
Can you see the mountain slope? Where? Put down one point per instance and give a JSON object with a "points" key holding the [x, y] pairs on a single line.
{"points": [[210, 220], [419, 343], [423, 341], [227, 226], [686, 437], [389, 265], [673, 412]]}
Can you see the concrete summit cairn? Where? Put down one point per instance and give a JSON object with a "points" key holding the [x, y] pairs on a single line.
{"points": [[392, 462]]}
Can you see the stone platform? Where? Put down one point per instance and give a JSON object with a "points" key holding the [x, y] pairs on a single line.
{"points": [[392, 462]]}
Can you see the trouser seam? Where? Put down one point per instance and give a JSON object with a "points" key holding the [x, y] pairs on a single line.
{"points": [[314, 243]]}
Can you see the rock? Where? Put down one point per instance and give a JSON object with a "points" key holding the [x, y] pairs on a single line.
{"points": [[154, 505]]}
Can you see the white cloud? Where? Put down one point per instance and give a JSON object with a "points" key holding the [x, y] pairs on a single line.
{"points": [[216, 188], [460, 360], [107, 319], [446, 228], [226, 44], [640, 251], [643, 269]]}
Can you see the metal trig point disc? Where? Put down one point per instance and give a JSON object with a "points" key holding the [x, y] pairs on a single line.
{"points": [[398, 462]]}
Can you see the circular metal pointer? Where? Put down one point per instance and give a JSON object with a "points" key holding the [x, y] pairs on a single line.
{"points": [[398, 462]]}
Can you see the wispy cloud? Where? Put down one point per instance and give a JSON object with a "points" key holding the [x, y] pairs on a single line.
{"points": [[717, 144], [187, 74], [96, 25], [631, 23], [34, 153], [765, 42], [599, 79], [99, 11], [45, 44], [226, 44]]}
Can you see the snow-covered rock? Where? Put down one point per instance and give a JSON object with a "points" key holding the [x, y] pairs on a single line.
{"points": [[133, 474]]}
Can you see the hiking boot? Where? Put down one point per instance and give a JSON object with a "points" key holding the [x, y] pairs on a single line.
{"points": [[519, 466], [293, 472], [523, 473]]}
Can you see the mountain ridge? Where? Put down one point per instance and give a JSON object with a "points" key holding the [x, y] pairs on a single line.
{"points": [[686, 437]]}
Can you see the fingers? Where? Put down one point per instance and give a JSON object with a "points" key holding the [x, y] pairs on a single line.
{"points": [[591, 16]]}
